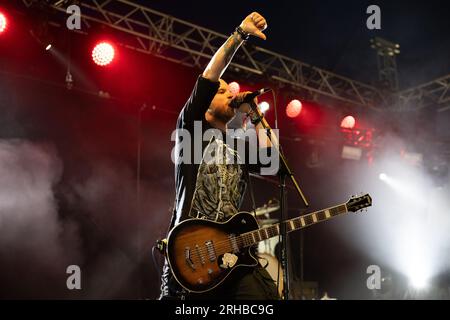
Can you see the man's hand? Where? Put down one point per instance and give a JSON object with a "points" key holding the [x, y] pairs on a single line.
{"points": [[263, 140], [245, 107], [254, 24]]}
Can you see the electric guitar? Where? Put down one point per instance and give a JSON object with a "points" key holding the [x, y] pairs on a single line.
{"points": [[203, 253]]}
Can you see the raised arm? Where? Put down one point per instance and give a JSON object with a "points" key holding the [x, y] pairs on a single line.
{"points": [[253, 24]]}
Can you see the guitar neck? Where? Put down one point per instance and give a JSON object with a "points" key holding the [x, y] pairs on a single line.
{"points": [[253, 237]]}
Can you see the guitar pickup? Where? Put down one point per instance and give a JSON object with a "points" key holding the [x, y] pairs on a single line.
{"points": [[202, 259], [211, 252], [234, 244], [187, 256]]}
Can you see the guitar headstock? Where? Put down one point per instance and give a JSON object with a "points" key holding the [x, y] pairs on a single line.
{"points": [[357, 203]]}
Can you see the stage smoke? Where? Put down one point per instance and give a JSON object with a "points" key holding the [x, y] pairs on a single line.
{"points": [[35, 246]]}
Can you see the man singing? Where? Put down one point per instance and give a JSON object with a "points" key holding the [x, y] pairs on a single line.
{"points": [[210, 189]]}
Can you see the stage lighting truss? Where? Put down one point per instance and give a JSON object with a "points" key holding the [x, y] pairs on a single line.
{"points": [[167, 37], [173, 39], [434, 93]]}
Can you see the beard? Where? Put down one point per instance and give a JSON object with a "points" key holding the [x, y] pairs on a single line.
{"points": [[223, 115]]}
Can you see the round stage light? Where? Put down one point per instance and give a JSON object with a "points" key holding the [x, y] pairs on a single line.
{"points": [[264, 106], [382, 176], [103, 54], [234, 88], [294, 108], [3, 23], [348, 122]]}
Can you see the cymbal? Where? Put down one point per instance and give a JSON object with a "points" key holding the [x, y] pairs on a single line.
{"points": [[268, 221], [266, 209]]}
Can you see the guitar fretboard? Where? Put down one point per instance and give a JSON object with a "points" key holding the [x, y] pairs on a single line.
{"points": [[253, 237]]}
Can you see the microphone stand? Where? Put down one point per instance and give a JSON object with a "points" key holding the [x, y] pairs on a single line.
{"points": [[284, 172], [138, 196]]}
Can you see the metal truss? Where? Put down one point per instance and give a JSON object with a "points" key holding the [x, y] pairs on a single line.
{"points": [[432, 94], [387, 64], [152, 32], [182, 42]]}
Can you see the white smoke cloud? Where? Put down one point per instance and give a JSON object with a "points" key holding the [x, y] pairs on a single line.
{"points": [[407, 228], [27, 205], [107, 197], [38, 240], [33, 243]]}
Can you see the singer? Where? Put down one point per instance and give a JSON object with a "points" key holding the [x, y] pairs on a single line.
{"points": [[214, 190]]}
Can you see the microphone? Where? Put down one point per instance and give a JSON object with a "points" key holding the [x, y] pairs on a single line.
{"points": [[248, 98]]}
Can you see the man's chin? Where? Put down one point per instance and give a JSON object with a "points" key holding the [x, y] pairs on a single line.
{"points": [[232, 113], [232, 118]]}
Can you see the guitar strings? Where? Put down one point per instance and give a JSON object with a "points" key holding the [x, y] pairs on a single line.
{"points": [[243, 240], [223, 246]]}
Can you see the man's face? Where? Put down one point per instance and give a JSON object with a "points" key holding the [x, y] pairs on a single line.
{"points": [[220, 105]]}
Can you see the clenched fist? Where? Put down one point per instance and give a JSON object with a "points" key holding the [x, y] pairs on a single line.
{"points": [[254, 24]]}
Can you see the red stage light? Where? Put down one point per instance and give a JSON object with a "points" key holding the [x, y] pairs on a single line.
{"points": [[234, 88], [103, 54], [294, 108], [3, 23], [348, 122]]}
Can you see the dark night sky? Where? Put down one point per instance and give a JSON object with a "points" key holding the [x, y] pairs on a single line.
{"points": [[333, 34]]}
